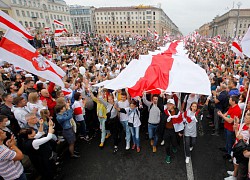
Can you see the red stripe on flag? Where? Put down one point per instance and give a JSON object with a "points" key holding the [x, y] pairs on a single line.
{"points": [[78, 111], [157, 74], [65, 93], [24, 53], [14, 27], [236, 45]]}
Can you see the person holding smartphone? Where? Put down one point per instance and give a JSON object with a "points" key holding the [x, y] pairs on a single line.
{"points": [[233, 111]]}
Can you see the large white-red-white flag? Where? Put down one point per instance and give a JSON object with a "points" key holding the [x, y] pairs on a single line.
{"points": [[169, 70], [7, 22], [17, 51], [58, 22], [245, 43], [237, 49]]}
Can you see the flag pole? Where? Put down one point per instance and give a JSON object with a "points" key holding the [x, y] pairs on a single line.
{"points": [[242, 117]]}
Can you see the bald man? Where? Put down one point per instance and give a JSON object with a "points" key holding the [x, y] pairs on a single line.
{"points": [[46, 95]]}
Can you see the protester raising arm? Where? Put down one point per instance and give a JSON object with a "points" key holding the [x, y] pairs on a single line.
{"points": [[37, 142], [11, 143]]}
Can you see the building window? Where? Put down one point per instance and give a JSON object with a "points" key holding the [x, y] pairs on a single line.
{"points": [[35, 24], [23, 13], [31, 25], [34, 4], [240, 25], [28, 14], [39, 25], [26, 24], [41, 15], [24, 2], [21, 22], [38, 4], [54, 16], [14, 1], [17, 13], [37, 15], [20, 2], [239, 31], [43, 25]]}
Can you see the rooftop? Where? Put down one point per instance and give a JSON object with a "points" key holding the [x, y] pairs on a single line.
{"points": [[128, 8]]}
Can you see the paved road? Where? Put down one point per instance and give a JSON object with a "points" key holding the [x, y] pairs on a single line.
{"points": [[95, 164]]}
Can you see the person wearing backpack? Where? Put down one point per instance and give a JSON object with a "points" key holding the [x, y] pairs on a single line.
{"points": [[221, 101]]}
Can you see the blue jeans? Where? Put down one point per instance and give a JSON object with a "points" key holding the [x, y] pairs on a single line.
{"points": [[152, 133], [82, 128], [126, 129], [22, 177], [102, 126], [135, 135], [229, 136]]}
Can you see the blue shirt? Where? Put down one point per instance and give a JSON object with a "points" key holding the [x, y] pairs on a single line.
{"points": [[64, 119]]}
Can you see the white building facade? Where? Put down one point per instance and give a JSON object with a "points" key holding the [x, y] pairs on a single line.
{"points": [[39, 14], [133, 20]]}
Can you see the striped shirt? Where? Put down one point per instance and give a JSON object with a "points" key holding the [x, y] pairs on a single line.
{"points": [[9, 169]]}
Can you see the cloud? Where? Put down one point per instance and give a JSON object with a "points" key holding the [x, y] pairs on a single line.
{"points": [[188, 15]]}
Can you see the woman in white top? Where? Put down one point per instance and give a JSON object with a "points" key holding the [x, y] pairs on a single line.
{"points": [[190, 130], [35, 103], [242, 100], [134, 122]]}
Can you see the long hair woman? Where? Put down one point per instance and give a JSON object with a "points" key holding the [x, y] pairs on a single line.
{"points": [[190, 130]]}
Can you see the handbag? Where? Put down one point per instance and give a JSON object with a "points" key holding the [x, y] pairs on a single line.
{"points": [[109, 120], [132, 124], [73, 124], [238, 150], [109, 113]]}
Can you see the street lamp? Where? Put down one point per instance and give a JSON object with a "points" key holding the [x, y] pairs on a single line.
{"points": [[236, 28]]}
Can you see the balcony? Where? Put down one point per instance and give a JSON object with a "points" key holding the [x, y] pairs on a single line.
{"points": [[34, 18]]}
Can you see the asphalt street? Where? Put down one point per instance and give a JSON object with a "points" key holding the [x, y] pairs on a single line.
{"points": [[94, 163]]}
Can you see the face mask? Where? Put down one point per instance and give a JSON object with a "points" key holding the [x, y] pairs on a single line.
{"points": [[7, 123]]}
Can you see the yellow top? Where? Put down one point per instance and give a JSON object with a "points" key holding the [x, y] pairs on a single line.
{"points": [[101, 109]]}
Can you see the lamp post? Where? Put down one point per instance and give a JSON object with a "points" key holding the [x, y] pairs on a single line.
{"points": [[236, 28]]}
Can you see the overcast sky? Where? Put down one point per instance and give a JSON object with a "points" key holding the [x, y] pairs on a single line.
{"points": [[188, 15]]}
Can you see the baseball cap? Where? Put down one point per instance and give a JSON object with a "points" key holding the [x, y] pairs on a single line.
{"points": [[171, 101], [29, 76], [237, 76]]}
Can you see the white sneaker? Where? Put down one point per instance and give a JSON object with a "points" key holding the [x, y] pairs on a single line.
{"points": [[230, 173], [191, 148], [162, 143], [187, 160], [128, 146], [230, 178]]}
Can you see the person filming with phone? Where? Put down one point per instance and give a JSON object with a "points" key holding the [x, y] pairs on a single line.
{"points": [[233, 111]]}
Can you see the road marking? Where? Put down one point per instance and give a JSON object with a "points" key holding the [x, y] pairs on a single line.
{"points": [[190, 173], [189, 167]]}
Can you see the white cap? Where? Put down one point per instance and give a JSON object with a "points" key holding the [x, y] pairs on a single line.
{"points": [[168, 93], [237, 76], [171, 101], [29, 76]]}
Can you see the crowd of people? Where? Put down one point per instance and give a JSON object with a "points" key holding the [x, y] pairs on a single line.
{"points": [[36, 116]]}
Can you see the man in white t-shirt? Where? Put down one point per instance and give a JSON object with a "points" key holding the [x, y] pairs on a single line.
{"points": [[124, 103]]}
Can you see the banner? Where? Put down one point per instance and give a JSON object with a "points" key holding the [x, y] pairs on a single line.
{"points": [[65, 41]]}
